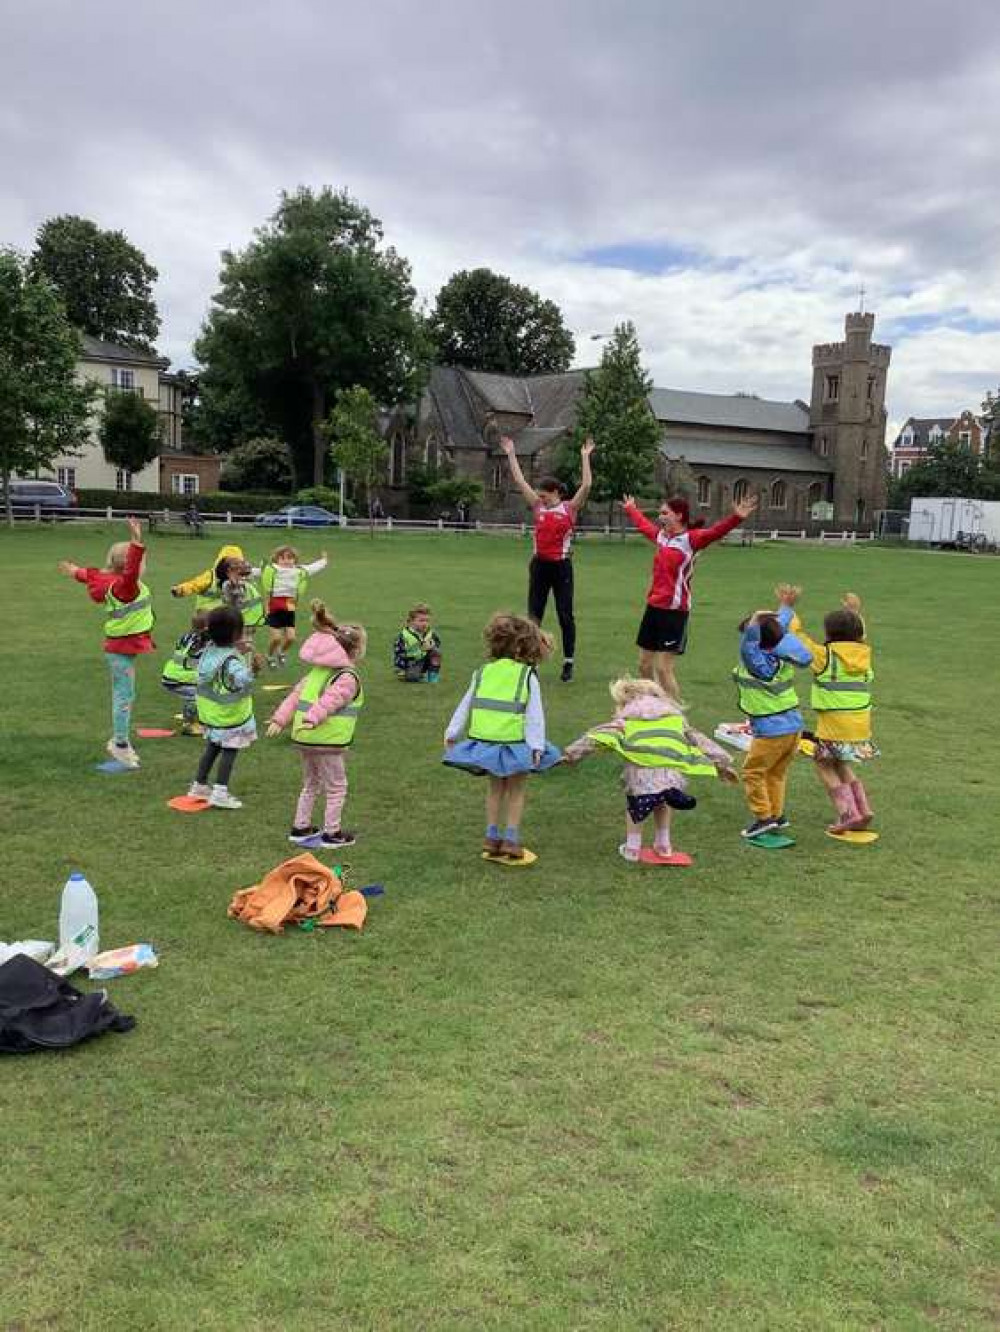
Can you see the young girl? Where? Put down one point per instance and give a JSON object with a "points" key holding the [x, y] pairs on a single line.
{"points": [[205, 587], [225, 706], [505, 723], [283, 582], [842, 699], [323, 709], [127, 628], [416, 654], [180, 672], [660, 751]]}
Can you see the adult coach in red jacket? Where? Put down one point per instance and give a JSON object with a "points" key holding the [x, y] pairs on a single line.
{"points": [[663, 632], [551, 569]]}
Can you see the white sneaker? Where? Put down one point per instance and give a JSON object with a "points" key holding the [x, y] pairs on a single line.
{"points": [[199, 791], [123, 753], [628, 853], [221, 799]]}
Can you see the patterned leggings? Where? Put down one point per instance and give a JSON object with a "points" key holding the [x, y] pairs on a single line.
{"points": [[122, 694], [322, 773]]}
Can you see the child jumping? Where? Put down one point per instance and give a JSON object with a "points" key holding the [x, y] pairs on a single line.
{"points": [[205, 586], [765, 689], [503, 717], [128, 627], [660, 751], [225, 706], [842, 700], [283, 581], [180, 672], [416, 654], [323, 709]]}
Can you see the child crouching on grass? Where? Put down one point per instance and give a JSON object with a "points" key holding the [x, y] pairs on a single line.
{"points": [[323, 709], [416, 654], [225, 706], [660, 752], [502, 715], [180, 671]]}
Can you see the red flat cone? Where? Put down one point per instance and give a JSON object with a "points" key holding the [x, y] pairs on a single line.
{"points": [[188, 804], [153, 732], [676, 858]]}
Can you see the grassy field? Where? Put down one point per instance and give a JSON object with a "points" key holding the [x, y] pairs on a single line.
{"points": [[760, 1093]]}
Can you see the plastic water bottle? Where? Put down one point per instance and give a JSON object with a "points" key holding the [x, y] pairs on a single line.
{"points": [[78, 919]]}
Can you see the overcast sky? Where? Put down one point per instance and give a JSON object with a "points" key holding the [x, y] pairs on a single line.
{"points": [[726, 173]]}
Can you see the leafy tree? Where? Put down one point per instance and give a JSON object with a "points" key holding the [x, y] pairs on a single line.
{"points": [[314, 305], [484, 321], [614, 410], [950, 468], [129, 432], [43, 409], [451, 491], [259, 464], [991, 425], [105, 281], [356, 446]]}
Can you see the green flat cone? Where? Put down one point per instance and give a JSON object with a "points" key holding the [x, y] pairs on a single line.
{"points": [[772, 841]]}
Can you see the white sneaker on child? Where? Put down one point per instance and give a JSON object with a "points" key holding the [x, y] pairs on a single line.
{"points": [[122, 752], [199, 791], [630, 853], [221, 799]]}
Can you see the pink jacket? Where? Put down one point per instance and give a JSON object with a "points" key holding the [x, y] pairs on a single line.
{"points": [[320, 650]]}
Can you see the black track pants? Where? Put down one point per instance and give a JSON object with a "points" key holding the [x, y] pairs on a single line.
{"points": [[555, 576]]}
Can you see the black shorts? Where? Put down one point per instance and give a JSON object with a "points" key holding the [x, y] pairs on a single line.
{"points": [[663, 631], [281, 619]]}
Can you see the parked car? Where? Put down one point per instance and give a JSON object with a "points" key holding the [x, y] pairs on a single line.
{"points": [[51, 498], [298, 515]]}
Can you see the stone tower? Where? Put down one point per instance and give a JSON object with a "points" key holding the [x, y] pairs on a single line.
{"points": [[847, 416]]}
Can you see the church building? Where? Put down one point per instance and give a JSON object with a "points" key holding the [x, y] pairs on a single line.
{"points": [[811, 464]]}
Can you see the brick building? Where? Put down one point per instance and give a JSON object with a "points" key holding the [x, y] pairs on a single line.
{"points": [[920, 433], [821, 462]]}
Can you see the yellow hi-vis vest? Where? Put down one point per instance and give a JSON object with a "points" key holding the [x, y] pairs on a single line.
{"points": [[656, 742], [339, 727], [210, 599], [765, 698], [416, 646], [180, 668], [837, 689], [499, 702], [219, 704], [128, 617], [251, 606], [270, 572]]}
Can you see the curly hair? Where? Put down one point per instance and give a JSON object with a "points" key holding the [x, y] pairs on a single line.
{"points": [[351, 637], [277, 553], [627, 689], [513, 636]]}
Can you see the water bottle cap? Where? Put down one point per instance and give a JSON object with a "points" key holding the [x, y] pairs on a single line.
{"points": [[76, 875]]}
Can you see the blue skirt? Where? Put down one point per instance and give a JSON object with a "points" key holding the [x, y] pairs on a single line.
{"points": [[483, 758]]}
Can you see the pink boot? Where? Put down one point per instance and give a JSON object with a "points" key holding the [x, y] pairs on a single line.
{"points": [[847, 811], [865, 813]]}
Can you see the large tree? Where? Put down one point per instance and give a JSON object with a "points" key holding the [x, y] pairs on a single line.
{"points": [[259, 464], [43, 409], [614, 410], [129, 432], [105, 281], [484, 321], [948, 469], [315, 304]]}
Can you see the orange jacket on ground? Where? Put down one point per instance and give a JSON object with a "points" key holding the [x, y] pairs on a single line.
{"points": [[302, 888]]}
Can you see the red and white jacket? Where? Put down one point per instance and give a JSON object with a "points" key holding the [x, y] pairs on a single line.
{"points": [[554, 530], [673, 563]]}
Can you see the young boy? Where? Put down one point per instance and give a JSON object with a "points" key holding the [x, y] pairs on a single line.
{"points": [[283, 582], [417, 651], [766, 694], [180, 672]]}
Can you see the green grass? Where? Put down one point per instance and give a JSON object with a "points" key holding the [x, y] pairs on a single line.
{"points": [[761, 1093]]}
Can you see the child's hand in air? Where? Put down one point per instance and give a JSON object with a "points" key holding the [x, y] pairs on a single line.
{"points": [[852, 602], [787, 593], [588, 447], [506, 445], [273, 729], [628, 501], [135, 530], [68, 568]]}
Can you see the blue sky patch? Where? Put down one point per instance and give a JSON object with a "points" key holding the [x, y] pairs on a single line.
{"points": [[647, 257], [959, 318]]}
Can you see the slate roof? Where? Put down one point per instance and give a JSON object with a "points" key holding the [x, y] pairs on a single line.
{"points": [[502, 393], [722, 409], [738, 453], [96, 349], [922, 427], [448, 390]]}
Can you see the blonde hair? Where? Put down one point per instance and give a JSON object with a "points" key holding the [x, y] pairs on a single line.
{"points": [[421, 608], [118, 555], [351, 637], [627, 689], [513, 636], [284, 550]]}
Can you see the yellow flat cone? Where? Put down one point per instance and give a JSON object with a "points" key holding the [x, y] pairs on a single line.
{"points": [[528, 858], [859, 838], [275, 689]]}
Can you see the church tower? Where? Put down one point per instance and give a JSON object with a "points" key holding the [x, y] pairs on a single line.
{"points": [[847, 417]]}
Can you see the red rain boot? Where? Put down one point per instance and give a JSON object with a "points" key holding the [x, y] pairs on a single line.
{"points": [[865, 813], [843, 800]]}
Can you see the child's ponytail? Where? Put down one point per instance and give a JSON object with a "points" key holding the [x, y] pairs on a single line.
{"points": [[323, 622]]}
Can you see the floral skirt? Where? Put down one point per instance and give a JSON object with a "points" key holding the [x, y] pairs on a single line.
{"points": [[845, 751]]}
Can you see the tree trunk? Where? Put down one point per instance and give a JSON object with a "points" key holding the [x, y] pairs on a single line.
{"points": [[320, 443]]}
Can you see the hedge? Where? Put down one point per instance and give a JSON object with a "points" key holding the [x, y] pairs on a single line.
{"points": [[140, 501]]}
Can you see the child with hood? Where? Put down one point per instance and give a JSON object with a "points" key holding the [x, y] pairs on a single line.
{"points": [[842, 699], [206, 587], [323, 709], [660, 751]]}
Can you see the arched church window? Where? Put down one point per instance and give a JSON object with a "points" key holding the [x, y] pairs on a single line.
{"points": [[704, 491], [779, 495]]}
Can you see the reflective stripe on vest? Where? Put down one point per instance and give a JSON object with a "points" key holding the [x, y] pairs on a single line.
{"points": [[765, 698], [219, 704], [837, 689], [128, 617], [338, 729], [415, 646], [252, 606], [208, 601], [656, 743], [178, 671], [499, 702]]}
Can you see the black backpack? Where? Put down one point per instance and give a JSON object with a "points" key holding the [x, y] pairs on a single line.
{"points": [[41, 1011]]}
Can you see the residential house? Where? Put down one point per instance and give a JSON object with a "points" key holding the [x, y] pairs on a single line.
{"points": [[920, 433]]}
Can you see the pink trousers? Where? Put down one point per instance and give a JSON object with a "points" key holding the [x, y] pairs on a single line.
{"points": [[323, 773]]}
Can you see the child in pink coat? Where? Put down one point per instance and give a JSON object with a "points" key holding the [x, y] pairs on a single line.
{"points": [[333, 699]]}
